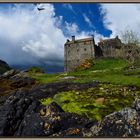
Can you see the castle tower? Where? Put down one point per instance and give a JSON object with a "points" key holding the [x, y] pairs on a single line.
{"points": [[76, 51]]}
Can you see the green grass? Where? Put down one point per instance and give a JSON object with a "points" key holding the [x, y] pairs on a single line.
{"points": [[109, 70], [104, 70], [107, 63], [114, 77], [46, 78], [85, 102]]}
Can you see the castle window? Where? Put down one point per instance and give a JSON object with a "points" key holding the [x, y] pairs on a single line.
{"points": [[77, 50], [85, 49]]}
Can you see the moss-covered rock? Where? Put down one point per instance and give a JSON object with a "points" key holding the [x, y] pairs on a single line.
{"points": [[96, 102]]}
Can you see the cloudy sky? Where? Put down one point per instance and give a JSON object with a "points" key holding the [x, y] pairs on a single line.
{"points": [[30, 37]]}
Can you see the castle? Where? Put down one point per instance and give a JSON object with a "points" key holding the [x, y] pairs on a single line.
{"points": [[76, 51]]}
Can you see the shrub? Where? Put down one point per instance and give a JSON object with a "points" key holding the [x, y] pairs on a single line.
{"points": [[35, 69]]}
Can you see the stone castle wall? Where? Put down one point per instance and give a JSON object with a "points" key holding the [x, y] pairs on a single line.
{"points": [[113, 52], [111, 47], [75, 52]]}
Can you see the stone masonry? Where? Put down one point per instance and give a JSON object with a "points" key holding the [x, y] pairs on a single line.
{"points": [[76, 51]]}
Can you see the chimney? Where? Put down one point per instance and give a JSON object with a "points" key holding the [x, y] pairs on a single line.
{"points": [[93, 39], [73, 38]]}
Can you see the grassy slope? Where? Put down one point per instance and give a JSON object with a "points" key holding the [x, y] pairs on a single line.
{"points": [[115, 95], [109, 70], [105, 70]]}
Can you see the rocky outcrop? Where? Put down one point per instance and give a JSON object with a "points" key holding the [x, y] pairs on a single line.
{"points": [[9, 73], [49, 90], [11, 114], [21, 79], [125, 123], [19, 82], [13, 81], [25, 116]]}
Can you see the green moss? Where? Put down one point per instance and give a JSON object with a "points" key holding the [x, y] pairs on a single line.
{"points": [[85, 102], [46, 101]]}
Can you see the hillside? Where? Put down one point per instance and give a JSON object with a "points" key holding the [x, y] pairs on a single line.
{"points": [[115, 71], [102, 100], [118, 87], [3, 67]]}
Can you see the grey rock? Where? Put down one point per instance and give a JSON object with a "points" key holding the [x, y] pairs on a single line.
{"points": [[124, 123], [136, 105], [21, 79], [9, 73], [67, 78]]}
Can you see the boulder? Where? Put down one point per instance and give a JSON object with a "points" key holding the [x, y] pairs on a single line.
{"points": [[9, 73], [18, 81], [11, 114], [125, 123], [136, 105], [32, 123], [23, 116], [57, 122], [67, 78]]}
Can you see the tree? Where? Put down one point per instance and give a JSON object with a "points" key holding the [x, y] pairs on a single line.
{"points": [[131, 46], [130, 37]]}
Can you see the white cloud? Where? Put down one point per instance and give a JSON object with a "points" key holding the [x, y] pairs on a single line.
{"points": [[29, 35], [87, 20], [98, 37], [118, 17], [71, 28]]}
